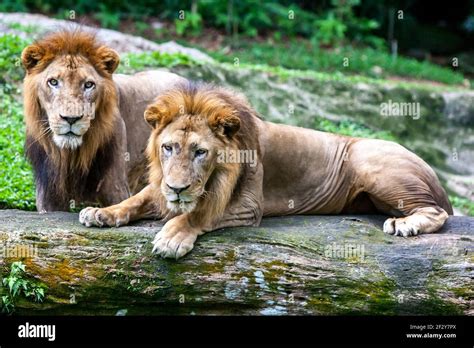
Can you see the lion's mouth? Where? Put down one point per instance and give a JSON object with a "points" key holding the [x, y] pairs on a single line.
{"points": [[182, 205], [71, 133], [69, 140]]}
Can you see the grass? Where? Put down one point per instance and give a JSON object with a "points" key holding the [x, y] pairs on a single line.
{"points": [[16, 179], [139, 61], [302, 55], [463, 204], [351, 129]]}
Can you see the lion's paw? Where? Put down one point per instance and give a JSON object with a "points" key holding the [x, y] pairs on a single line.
{"points": [[404, 227], [113, 217], [175, 239]]}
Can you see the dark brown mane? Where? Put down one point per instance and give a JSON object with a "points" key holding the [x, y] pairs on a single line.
{"points": [[64, 171]]}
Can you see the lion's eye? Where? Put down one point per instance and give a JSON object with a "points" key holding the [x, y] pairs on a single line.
{"points": [[53, 82], [200, 153], [167, 148], [89, 85]]}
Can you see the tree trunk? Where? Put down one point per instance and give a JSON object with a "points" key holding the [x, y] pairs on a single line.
{"points": [[288, 265]]}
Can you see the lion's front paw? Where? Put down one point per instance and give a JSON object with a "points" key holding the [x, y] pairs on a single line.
{"points": [[401, 227], [175, 239], [111, 216]]}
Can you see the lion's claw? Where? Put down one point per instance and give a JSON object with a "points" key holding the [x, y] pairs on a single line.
{"points": [[400, 227], [174, 241], [99, 217]]}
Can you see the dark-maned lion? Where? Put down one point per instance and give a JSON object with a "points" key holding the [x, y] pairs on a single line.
{"points": [[297, 171], [85, 133]]}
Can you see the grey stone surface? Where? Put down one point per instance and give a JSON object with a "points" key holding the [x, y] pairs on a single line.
{"points": [[289, 265]]}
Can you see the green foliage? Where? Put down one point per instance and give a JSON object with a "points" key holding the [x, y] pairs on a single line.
{"points": [[107, 18], [465, 205], [30, 29], [302, 55], [329, 30], [138, 61], [13, 6], [191, 23], [141, 27], [10, 64], [16, 182], [352, 129], [19, 286], [16, 179]]}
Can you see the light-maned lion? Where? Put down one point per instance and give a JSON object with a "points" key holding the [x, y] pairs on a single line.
{"points": [[85, 133], [298, 171]]}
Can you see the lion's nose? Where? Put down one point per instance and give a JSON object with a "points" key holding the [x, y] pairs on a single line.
{"points": [[71, 119], [178, 190]]}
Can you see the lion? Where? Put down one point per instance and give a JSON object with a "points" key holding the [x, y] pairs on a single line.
{"points": [[197, 189], [85, 133]]}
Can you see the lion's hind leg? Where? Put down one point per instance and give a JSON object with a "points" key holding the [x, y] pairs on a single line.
{"points": [[422, 220], [412, 205]]}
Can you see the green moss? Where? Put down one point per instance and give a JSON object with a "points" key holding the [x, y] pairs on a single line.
{"points": [[348, 297]]}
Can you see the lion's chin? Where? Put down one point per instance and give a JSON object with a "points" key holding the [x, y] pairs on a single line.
{"points": [[181, 206], [67, 141]]}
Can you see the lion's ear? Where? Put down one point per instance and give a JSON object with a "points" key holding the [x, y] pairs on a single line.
{"points": [[155, 113], [152, 115], [226, 124], [31, 56], [108, 59]]}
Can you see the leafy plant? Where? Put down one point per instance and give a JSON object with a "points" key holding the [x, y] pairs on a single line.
{"points": [[352, 129], [464, 204], [191, 23], [303, 55], [107, 18], [136, 61], [19, 286], [13, 6], [141, 27], [16, 181], [329, 30]]}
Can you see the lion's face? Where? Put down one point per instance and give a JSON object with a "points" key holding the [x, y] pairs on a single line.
{"points": [[68, 81], [68, 90], [187, 152], [191, 127]]}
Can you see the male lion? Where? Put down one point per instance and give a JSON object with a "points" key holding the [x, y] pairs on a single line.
{"points": [[85, 133], [298, 171]]}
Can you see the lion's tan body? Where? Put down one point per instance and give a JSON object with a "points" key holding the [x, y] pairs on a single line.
{"points": [[85, 132], [297, 171], [323, 173]]}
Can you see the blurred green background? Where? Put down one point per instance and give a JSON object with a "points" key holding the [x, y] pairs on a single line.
{"points": [[293, 33]]}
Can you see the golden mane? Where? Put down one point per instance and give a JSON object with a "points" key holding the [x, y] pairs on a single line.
{"points": [[36, 58], [222, 108]]}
